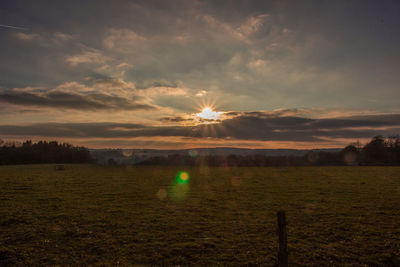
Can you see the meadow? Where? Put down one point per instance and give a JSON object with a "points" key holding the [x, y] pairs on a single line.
{"points": [[118, 216]]}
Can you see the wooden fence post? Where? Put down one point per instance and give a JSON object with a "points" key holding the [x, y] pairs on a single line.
{"points": [[282, 235]]}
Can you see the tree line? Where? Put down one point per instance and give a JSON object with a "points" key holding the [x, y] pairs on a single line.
{"points": [[379, 151], [42, 152]]}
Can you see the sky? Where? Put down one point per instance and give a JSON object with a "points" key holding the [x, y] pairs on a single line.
{"points": [[194, 73]]}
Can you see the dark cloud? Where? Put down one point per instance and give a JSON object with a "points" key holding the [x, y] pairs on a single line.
{"points": [[176, 119], [72, 130], [241, 128], [188, 120], [155, 83], [92, 101]]}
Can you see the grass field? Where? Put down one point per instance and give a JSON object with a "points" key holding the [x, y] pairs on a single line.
{"points": [[92, 215]]}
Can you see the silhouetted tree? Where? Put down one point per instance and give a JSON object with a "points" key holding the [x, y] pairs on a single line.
{"points": [[43, 152], [375, 152], [394, 149]]}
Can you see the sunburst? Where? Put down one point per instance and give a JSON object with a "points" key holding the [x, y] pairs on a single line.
{"points": [[209, 114]]}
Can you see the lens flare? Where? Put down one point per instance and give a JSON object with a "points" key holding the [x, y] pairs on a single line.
{"points": [[350, 158], [162, 194], [312, 157], [180, 187], [182, 178], [193, 153], [127, 153]]}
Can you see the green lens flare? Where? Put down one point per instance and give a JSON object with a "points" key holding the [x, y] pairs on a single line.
{"points": [[179, 189], [182, 178]]}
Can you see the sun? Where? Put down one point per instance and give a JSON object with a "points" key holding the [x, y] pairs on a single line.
{"points": [[209, 114]]}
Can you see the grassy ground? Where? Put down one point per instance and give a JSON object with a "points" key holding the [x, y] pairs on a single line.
{"points": [[91, 215]]}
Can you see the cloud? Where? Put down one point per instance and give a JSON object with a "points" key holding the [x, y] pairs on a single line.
{"points": [[94, 101], [76, 96], [27, 36], [244, 128], [113, 86], [122, 39], [64, 37], [201, 93], [69, 129], [145, 84], [253, 24], [47, 38], [92, 56], [177, 119], [13, 27], [275, 56]]}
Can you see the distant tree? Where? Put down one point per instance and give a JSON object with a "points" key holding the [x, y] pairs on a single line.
{"points": [[379, 151], [375, 152], [394, 149], [358, 145], [111, 162], [43, 152]]}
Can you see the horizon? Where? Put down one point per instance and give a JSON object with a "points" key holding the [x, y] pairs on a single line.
{"points": [[200, 74], [60, 141]]}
